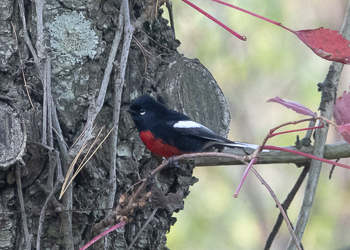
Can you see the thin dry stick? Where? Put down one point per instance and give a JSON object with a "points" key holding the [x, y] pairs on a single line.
{"points": [[68, 198], [143, 50], [331, 82], [71, 168], [53, 157], [69, 172], [49, 103], [27, 236], [96, 106], [43, 212], [20, 59], [118, 89], [60, 136], [286, 219], [285, 206], [45, 101], [290, 196], [141, 189], [81, 134], [40, 28], [92, 145], [27, 39], [150, 218]]}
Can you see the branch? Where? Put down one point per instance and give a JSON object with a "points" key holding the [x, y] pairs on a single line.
{"points": [[150, 217], [27, 236], [285, 206], [286, 219], [328, 90], [43, 212], [28, 41], [40, 28], [118, 90], [332, 151], [68, 198], [96, 106]]}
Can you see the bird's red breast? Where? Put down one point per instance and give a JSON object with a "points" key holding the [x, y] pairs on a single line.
{"points": [[158, 146]]}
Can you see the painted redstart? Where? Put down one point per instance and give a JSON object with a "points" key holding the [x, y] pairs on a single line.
{"points": [[167, 133]]}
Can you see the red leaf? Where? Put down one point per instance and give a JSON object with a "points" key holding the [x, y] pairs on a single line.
{"points": [[297, 107], [341, 109], [341, 114], [344, 130], [326, 43]]}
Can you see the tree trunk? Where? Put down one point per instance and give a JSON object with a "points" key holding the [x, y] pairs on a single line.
{"points": [[55, 59]]}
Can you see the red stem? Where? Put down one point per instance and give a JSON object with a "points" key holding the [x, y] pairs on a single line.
{"points": [[307, 155], [215, 20], [254, 160], [295, 130], [253, 14], [121, 224]]}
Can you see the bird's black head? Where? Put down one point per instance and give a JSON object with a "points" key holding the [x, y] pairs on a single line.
{"points": [[145, 110]]}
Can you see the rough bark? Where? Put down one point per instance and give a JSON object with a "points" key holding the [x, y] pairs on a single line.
{"points": [[72, 72], [62, 68]]}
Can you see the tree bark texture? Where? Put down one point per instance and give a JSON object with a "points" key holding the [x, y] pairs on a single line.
{"points": [[71, 43]]}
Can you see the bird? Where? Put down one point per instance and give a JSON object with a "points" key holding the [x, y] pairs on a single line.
{"points": [[166, 132]]}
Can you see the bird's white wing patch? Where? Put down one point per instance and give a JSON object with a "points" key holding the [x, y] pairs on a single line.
{"points": [[189, 124]]}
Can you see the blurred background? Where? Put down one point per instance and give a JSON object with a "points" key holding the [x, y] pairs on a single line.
{"points": [[272, 62]]}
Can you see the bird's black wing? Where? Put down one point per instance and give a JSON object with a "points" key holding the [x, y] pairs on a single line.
{"points": [[189, 127]]}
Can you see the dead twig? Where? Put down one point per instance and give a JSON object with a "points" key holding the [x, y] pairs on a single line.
{"points": [[28, 41], [27, 236], [286, 219], [331, 82], [285, 206], [96, 106], [20, 59], [118, 90], [150, 218], [43, 212]]}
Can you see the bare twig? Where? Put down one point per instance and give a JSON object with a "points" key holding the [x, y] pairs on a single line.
{"points": [[285, 206], [330, 84], [96, 106], [118, 90], [68, 180], [43, 212], [40, 28], [68, 198], [53, 158], [127, 204], [250, 165], [59, 134], [286, 219], [150, 218], [169, 6], [49, 103], [119, 225], [27, 236], [291, 194], [45, 101], [20, 59], [27, 40]]}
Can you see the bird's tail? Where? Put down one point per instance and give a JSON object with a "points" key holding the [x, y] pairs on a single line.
{"points": [[240, 145]]}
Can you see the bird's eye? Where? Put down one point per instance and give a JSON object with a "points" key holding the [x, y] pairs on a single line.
{"points": [[142, 112]]}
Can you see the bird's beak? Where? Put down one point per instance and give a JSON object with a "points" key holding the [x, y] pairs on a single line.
{"points": [[130, 111]]}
